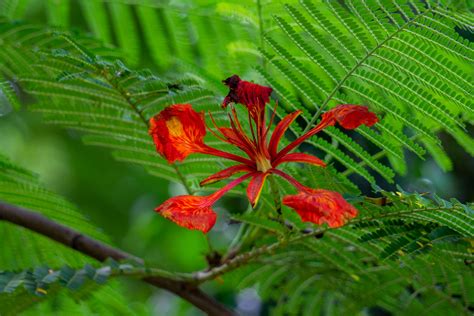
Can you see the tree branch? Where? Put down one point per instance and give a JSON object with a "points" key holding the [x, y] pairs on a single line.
{"points": [[100, 251]]}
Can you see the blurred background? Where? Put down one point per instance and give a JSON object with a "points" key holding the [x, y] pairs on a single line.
{"points": [[205, 39]]}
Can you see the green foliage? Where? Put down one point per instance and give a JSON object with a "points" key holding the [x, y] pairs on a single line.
{"points": [[39, 280], [184, 36], [104, 99], [35, 254], [407, 256], [20, 187], [390, 55]]}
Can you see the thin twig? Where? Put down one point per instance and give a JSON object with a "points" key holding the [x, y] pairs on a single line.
{"points": [[244, 258]]}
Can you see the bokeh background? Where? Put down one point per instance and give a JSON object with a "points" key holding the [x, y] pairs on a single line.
{"points": [[120, 198]]}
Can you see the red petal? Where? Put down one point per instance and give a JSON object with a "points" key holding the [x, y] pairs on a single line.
{"points": [[252, 95], [288, 178], [321, 206], [236, 139], [255, 187], [300, 157], [177, 131], [350, 116], [219, 153], [280, 130], [192, 212], [226, 173], [219, 193], [195, 212]]}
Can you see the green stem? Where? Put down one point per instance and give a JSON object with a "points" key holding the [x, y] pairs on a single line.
{"points": [[243, 229], [209, 245], [141, 272], [253, 232], [182, 178], [275, 193], [250, 236], [244, 258], [260, 26], [377, 156]]}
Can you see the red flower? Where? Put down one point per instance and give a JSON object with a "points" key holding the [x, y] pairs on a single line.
{"points": [[192, 212], [350, 116], [195, 212], [179, 131], [321, 206]]}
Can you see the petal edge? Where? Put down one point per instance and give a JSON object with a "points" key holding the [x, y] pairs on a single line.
{"points": [[255, 187], [300, 157], [224, 174]]}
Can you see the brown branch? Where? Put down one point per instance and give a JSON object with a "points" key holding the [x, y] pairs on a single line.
{"points": [[100, 251]]}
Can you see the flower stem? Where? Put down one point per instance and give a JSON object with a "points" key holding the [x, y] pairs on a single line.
{"points": [[209, 245], [276, 194], [262, 31]]}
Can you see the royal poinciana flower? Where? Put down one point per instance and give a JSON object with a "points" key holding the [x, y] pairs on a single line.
{"points": [[179, 131], [321, 206]]}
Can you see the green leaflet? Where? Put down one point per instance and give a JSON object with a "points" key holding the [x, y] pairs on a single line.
{"points": [[107, 101], [37, 281], [79, 290], [389, 252], [380, 53]]}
